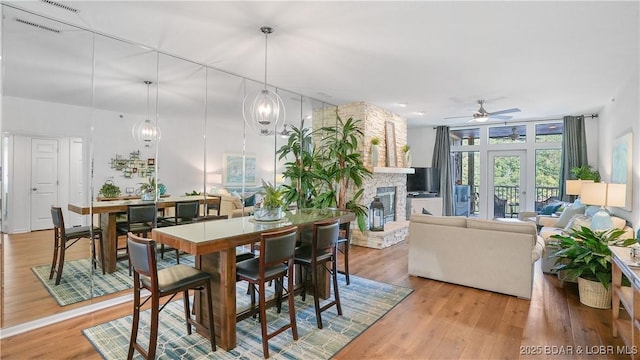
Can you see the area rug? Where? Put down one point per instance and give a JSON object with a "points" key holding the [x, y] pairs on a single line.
{"points": [[363, 303], [76, 284]]}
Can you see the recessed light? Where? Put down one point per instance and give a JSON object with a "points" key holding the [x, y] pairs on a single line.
{"points": [[421, 113], [402, 104]]}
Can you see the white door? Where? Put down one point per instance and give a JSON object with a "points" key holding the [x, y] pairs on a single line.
{"points": [[506, 183], [44, 182]]}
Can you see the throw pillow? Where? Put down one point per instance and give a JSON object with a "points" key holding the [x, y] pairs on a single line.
{"points": [[577, 222], [550, 209], [568, 212], [250, 201], [426, 212]]}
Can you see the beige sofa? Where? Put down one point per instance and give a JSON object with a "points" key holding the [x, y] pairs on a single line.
{"points": [[486, 254], [549, 226], [232, 207]]}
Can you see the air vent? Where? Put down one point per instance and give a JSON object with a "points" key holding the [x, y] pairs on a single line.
{"points": [[39, 26], [62, 6]]}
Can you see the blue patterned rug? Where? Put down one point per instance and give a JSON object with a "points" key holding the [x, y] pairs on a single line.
{"points": [[363, 303], [76, 285]]}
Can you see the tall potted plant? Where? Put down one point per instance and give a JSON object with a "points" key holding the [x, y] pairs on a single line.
{"points": [[584, 255], [343, 169], [301, 168]]}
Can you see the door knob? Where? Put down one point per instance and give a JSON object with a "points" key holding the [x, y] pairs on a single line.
{"points": [[35, 189]]}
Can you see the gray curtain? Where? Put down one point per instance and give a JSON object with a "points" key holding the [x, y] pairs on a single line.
{"points": [[442, 161], [574, 149]]}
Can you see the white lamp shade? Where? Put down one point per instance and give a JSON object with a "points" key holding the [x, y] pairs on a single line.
{"points": [[594, 193], [574, 187], [616, 195], [214, 178]]}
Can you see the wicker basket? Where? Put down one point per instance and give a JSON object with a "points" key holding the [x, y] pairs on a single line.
{"points": [[594, 294]]}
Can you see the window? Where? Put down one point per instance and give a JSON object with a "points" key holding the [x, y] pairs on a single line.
{"points": [[465, 137], [508, 134], [547, 175], [549, 132]]}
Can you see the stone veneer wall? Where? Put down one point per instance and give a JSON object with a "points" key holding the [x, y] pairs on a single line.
{"points": [[374, 120]]}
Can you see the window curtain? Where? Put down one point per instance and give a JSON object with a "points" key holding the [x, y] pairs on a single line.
{"points": [[574, 149], [442, 161]]}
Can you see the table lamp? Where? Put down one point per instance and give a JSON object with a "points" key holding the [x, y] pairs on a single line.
{"points": [[603, 194], [574, 187]]}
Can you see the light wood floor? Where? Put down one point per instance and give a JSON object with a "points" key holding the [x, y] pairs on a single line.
{"points": [[437, 321]]}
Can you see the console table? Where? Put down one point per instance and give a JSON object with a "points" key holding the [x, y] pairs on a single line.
{"points": [[625, 321]]}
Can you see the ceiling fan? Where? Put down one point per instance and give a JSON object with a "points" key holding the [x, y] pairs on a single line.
{"points": [[482, 115]]}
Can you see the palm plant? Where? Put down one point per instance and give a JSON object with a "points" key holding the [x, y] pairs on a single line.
{"points": [[343, 169]]}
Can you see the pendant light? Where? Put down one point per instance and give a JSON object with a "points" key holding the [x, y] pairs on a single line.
{"points": [[146, 133], [263, 111]]}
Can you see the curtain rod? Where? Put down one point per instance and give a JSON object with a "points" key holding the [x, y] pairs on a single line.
{"points": [[592, 116]]}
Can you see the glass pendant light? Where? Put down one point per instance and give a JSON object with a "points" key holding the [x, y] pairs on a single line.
{"points": [[145, 133], [263, 111]]}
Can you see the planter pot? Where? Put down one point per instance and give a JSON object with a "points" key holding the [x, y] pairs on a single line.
{"points": [[407, 159], [594, 294], [263, 214], [375, 155], [148, 196]]}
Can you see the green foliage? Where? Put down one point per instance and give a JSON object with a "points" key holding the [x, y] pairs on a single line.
{"points": [[272, 196], [194, 192], [302, 169], [109, 190], [585, 172], [548, 167], [149, 186], [375, 141], [406, 148], [585, 253]]}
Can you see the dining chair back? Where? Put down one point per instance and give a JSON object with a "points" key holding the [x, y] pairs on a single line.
{"points": [[315, 256], [185, 213], [160, 283], [275, 261], [343, 244], [141, 219], [64, 238]]}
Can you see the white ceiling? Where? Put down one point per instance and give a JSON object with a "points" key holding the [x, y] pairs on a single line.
{"points": [[547, 58]]}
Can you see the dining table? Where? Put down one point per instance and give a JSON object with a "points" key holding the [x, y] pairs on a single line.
{"points": [[214, 244], [109, 211]]}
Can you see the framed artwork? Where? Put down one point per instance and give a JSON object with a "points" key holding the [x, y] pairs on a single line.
{"points": [[233, 171], [621, 171], [390, 136]]}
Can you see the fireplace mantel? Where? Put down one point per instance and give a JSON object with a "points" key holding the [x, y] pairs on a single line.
{"points": [[393, 170]]}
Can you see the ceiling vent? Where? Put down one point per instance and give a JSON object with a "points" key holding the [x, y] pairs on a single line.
{"points": [[39, 26], [62, 6]]}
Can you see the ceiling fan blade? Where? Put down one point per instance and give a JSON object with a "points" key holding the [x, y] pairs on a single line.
{"points": [[457, 117], [506, 111], [500, 117]]}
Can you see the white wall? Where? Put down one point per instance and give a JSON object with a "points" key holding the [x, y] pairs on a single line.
{"points": [[620, 116]]}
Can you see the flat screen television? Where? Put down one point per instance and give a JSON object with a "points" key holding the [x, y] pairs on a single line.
{"points": [[424, 180]]}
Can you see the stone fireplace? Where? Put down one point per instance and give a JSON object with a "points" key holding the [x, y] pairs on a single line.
{"points": [[388, 180]]}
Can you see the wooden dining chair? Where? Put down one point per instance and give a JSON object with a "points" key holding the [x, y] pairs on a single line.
{"points": [[343, 244], [315, 256], [63, 238], [185, 213], [160, 283], [141, 219], [275, 261]]}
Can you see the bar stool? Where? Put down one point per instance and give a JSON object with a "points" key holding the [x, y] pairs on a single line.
{"points": [[343, 245], [141, 219], [312, 256], [273, 263], [169, 281], [66, 237]]}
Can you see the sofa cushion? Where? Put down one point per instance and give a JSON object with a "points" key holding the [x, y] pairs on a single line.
{"points": [[568, 212], [577, 222], [551, 208], [522, 227], [591, 210], [459, 221]]}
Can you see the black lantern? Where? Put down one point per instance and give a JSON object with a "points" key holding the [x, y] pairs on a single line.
{"points": [[376, 215]]}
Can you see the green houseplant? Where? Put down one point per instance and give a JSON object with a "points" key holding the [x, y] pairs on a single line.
{"points": [[585, 172], [584, 254], [109, 190], [343, 169], [375, 151], [147, 189], [272, 203]]}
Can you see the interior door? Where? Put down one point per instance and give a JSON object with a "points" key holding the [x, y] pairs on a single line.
{"points": [[44, 181], [507, 183]]}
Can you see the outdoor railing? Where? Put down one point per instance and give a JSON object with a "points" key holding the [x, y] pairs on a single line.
{"points": [[511, 195]]}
